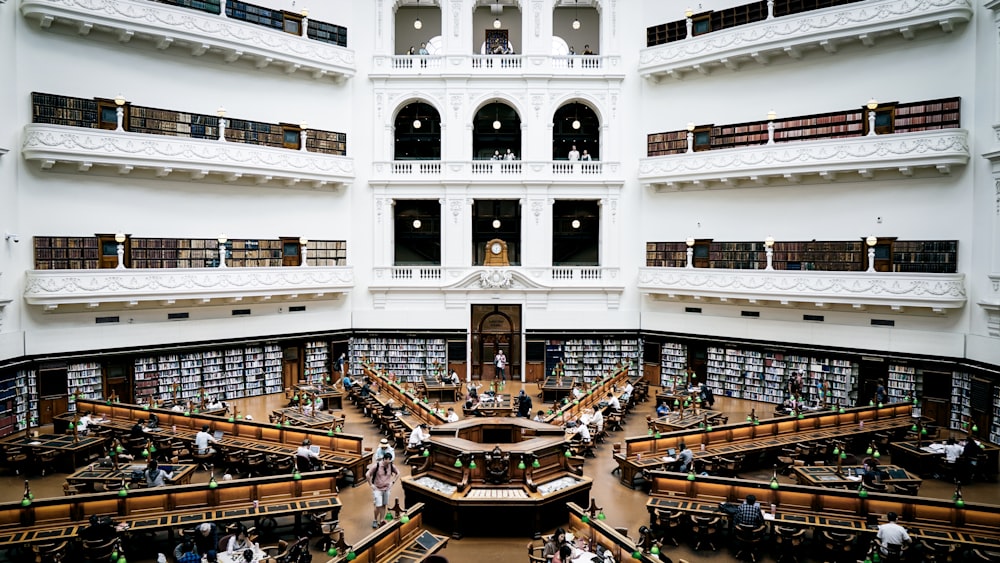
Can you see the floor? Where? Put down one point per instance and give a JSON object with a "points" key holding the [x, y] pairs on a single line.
{"points": [[623, 507]]}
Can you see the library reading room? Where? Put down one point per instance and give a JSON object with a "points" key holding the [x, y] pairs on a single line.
{"points": [[477, 281]]}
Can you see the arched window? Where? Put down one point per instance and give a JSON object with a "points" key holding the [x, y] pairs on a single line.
{"points": [[418, 133], [576, 125], [496, 129]]}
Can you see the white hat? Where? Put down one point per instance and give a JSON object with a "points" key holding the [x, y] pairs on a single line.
{"points": [[384, 441]]}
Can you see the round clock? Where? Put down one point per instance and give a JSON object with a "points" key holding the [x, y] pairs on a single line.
{"points": [[496, 248]]}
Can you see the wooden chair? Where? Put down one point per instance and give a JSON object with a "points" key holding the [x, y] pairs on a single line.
{"points": [[532, 556], [910, 489], [837, 545], [17, 458], [748, 541], [99, 551], [729, 467], [670, 525], [70, 490], [705, 529], [50, 552], [788, 543]]}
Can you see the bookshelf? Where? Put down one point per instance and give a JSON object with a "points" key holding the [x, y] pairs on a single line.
{"points": [[411, 359], [63, 110], [553, 354], [995, 424], [666, 254], [210, 6], [272, 368], [26, 404], [737, 255], [749, 374], [170, 375], [317, 361], [936, 256], [903, 382], [146, 375], [8, 403], [191, 364], [327, 33], [668, 142], [673, 361], [778, 370], [85, 377], [961, 406], [66, 253], [214, 373], [842, 375], [592, 358]]}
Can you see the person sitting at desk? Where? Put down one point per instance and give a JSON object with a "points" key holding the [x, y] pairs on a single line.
{"points": [[202, 439], [684, 457], [539, 416], [240, 541], [452, 416], [138, 429], [177, 408], [83, 424], [627, 393], [969, 459], [870, 474], [214, 403], [206, 540], [662, 409], [185, 552], [577, 392], [366, 389], [453, 378], [101, 529], [613, 402], [892, 533], [748, 513], [471, 402], [418, 436], [305, 458], [388, 410], [346, 382], [154, 422], [597, 419], [707, 397], [156, 477], [551, 547], [578, 432], [952, 451]]}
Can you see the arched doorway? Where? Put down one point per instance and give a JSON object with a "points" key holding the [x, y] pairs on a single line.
{"points": [[417, 133], [495, 328], [495, 129], [576, 124]]}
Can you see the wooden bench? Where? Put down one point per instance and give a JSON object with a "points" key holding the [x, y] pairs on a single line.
{"points": [[396, 541]]}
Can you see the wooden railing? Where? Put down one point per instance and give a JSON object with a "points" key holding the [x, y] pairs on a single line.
{"points": [[396, 541]]}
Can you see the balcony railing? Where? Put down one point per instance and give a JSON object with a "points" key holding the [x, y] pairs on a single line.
{"points": [[197, 159], [422, 171], [858, 290], [490, 65], [199, 32], [793, 35], [195, 286], [826, 160]]}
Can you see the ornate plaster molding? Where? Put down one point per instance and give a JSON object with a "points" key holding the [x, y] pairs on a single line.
{"points": [[824, 160], [858, 289], [204, 159], [792, 35], [199, 32], [55, 288], [539, 67]]}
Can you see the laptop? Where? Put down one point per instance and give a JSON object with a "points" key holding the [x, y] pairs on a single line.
{"points": [[671, 452], [314, 449], [218, 434]]}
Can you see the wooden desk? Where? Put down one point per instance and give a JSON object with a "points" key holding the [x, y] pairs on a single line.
{"points": [[435, 388], [555, 388], [598, 391], [396, 542], [332, 395], [502, 406], [89, 477], [924, 461], [600, 532], [826, 475], [680, 421], [835, 509], [70, 453], [678, 396], [320, 419]]}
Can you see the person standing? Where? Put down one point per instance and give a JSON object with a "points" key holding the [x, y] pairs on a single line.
{"points": [[383, 449], [500, 361], [585, 155], [523, 404], [381, 476], [573, 153]]}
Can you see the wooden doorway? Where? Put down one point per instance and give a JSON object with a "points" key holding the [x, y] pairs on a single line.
{"points": [[495, 328], [291, 366], [108, 258]]}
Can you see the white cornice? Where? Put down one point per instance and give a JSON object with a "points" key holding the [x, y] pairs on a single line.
{"points": [[790, 36], [199, 32], [992, 305], [847, 159], [201, 159], [195, 286], [859, 290], [490, 172]]}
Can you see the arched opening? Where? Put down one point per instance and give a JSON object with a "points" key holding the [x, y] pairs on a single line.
{"points": [[576, 125], [578, 23], [496, 27], [417, 23], [496, 129], [418, 133]]}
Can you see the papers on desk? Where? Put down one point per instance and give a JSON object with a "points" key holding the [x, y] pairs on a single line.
{"points": [[934, 448], [35, 443], [669, 459], [768, 516], [853, 477]]}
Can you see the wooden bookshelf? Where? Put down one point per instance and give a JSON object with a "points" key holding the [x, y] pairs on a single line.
{"points": [[904, 382], [210, 6], [327, 32], [789, 7], [961, 405], [673, 361], [666, 254], [938, 256], [670, 142], [85, 377], [411, 359], [66, 253]]}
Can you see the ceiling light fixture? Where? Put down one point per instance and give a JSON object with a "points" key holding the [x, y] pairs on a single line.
{"points": [[576, 223], [496, 120], [417, 24], [496, 223], [416, 223], [576, 116], [496, 9], [576, 20]]}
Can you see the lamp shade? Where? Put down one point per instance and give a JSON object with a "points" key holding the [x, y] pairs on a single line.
{"points": [[496, 124], [417, 24], [872, 240], [872, 103], [576, 24], [771, 115], [497, 24], [119, 100]]}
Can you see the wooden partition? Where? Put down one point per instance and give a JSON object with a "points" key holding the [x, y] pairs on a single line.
{"points": [[396, 541], [599, 532], [801, 505], [161, 508], [598, 392]]}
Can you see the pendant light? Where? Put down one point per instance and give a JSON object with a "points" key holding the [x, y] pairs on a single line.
{"points": [[576, 116], [496, 120], [497, 10], [417, 24], [576, 20]]}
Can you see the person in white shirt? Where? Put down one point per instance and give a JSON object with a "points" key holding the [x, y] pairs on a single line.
{"points": [[383, 449], [418, 436], [573, 153], [613, 402], [202, 439], [305, 457], [577, 392], [952, 450], [598, 420], [627, 394], [452, 415], [539, 416], [892, 533], [84, 423], [578, 431], [455, 380], [508, 155]]}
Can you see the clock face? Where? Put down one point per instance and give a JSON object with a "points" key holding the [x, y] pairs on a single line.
{"points": [[496, 248]]}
